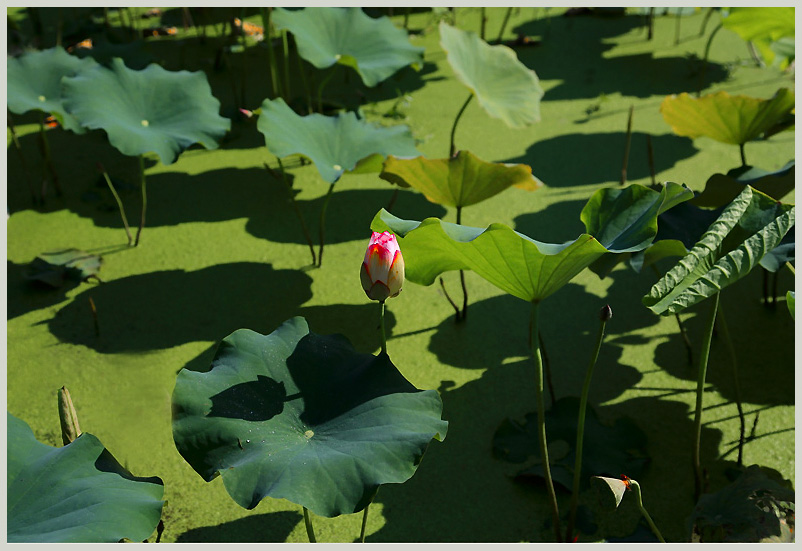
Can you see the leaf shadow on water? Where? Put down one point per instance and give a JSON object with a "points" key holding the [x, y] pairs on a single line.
{"points": [[24, 296], [262, 528]]}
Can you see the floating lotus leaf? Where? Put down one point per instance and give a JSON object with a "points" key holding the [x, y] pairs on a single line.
{"points": [[725, 118], [459, 181], [504, 86], [34, 82], [721, 189], [335, 144], [751, 226], [303, 417], [152, 110], [77, 493], [374, 48], [55, 269]]}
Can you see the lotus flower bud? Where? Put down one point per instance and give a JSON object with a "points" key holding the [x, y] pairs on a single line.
{"points": [[382, 272]]}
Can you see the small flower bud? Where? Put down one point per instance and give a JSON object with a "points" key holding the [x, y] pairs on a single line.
{"points": [[382, 271], [606, 313], [70, 430]]}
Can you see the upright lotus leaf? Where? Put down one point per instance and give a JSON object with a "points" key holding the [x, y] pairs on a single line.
{"points": [[335, 144], [513, 262], [34, 82], [755, 23], [56, 268], [77, 493], [725, 118], [751, 226], [303, 417], [374, 48], [459, 181], [754, 508], [721, 189], [152, 110], [504, 86]]}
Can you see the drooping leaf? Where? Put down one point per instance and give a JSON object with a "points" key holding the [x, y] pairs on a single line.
{"points": [[374, 48], [607, 449], [56, 268], [460, 181], [790, 298], [752, 23], [782, 253], [752, 509], [751, 226], [34, 82], [303, 417], [505, 88], [335, 144], [721, 189], [77, 493], [725, 118], [152, 110]]}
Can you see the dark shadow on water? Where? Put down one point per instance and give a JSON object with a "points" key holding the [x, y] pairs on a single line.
{"points": [[24, 296], [261, 528], [541, 225]]}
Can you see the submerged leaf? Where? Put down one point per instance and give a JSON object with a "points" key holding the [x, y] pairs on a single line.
{"points": [[70, 264], [505, 88], [335, 144], [374, 48], [303, 417], [459, 181]]}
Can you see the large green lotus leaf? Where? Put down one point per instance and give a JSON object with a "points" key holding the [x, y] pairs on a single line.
{"points": [[34, 82], [725, 118], [754, 508], [335, 144], [513, 262], [375, 48], [303, 417], [607, 449], [460, 181], [721, 189], [625, 220], [751, 226], [152, 110], [756, 23], [77, 493], [504, 86]]}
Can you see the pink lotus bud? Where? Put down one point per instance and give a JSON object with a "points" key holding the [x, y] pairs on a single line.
{"points": [[382, 272]]}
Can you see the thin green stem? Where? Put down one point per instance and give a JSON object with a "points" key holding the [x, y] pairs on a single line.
{"points": [[541, 421], [633, 484], [322, 229], [458, 316], [462, 274], [504, 24], [266, 14], [483, 15], [120, 206], [310, 531], [323, 83], [704, 60], [297, 209], [302, 70], [580, 432], [365, 513], [144, 198], [286, 50], [725, 332], [700, 384], [452, 147], [384, 338], [790, 267], [743, 155], [18, 147], [627, 145]]}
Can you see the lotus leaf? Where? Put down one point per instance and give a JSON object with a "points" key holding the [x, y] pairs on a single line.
{"points": [[152, 110], [752, 23], [374, 48], [459, 181], [721, 189], [303, 417], [34, 82], [77, 493], [751, 226], [505, 88], [55, 268], [335, 144]]}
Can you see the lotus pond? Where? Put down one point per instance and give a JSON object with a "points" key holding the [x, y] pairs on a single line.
{"points": [[400, 274]]}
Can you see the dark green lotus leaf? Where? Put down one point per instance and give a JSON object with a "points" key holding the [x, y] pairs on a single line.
{"points": [[152, 110], [513, 262], [335, 144], [721, 189], [460, 181], [505, 88], [748, 228], [78, 493], [753, 509], [782, 253], [725, 118], [607, 449], [374, 48], [790, 298], [303, 417], [625, 220], [56, 268], [34, 82]]}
